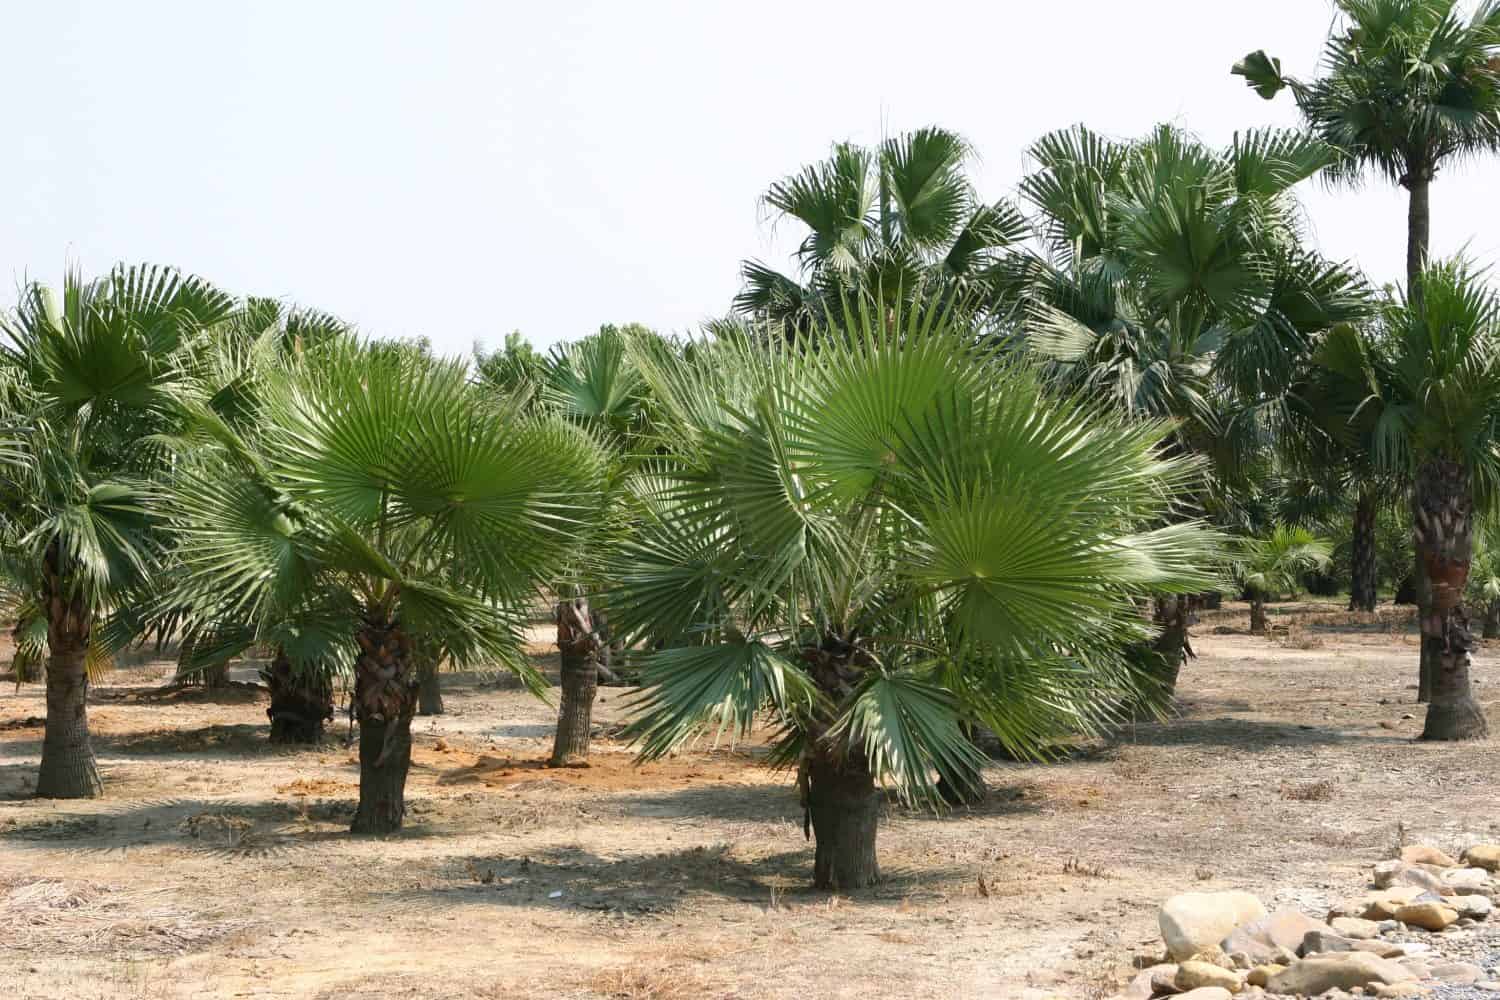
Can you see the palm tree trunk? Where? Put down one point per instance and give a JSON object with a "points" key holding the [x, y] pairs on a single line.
{"points": [[1444, 533], [1362, 582], [578, 642], [68, 769], [1257, 616], [429, 689], [301, 701], [1426, 663], [385, 690], [1418, 226], [843, 808], [1164, 659], [1492, 620]]}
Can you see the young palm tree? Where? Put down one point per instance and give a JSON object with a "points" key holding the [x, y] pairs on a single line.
{"points": [[1408, 87], [86, 377], [901, 217], [1275, 565], [390, 502], [1433, 377], [883, 536], [1175, 285]]}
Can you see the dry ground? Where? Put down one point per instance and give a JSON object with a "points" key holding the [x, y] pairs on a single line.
{"points": [[219, 866]]}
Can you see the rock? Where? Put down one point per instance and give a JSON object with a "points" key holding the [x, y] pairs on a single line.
{"points": [[1475, 907], [1140, 987], [1399, 873], [1355, 928], [1486, 856], [1205, 993], [1326, 942], [1379, 905], [1428, 916], [1261, 974], [1193, 975], [1163, 978], [1466, 878], [1193, 921], [1311, 976], [1261, 938], [1422, 854], [1416, 966], [1240, 960], [1457, 972], [1400, 990]]}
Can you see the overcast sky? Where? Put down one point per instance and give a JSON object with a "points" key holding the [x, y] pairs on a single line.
{"points": [[461, 170]]}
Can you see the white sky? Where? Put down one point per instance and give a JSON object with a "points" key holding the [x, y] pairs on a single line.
{"points": [[464, 169]]}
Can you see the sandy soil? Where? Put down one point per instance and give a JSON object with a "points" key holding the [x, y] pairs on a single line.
{"points": [[219, 866]]}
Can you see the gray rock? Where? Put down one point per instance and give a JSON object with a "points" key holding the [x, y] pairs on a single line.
{"points": [[1457, 972], [1195, 921], [1311, 976], [1260, 939]]}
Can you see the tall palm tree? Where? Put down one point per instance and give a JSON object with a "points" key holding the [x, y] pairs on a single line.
{"points": [[390, 502], [1174, 283], [1275, 565], [1432, 372], [883, 536], [901, 218], [1408, 88], [87, 377]]}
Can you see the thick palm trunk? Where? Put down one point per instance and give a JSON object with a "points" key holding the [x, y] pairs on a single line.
{"points": [[1257, 616], [1492, 620], [68, 770], [429, 689], [1427, 658], [385, 692], [301, 701], [1418, 226], [1362, 578], [578, 642], [1163, 660], [1444, 533], [843, 809]]}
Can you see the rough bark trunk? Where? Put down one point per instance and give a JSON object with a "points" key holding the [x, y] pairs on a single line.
{"points": [[1422, 589], [1443, 516], [385, 690], [301, 701], [1492, 620], [578, 642], [1164, 658], [843, 807], [429, 689], [1257, 616], [1362, 579], [1418, 226], [68, 769]]}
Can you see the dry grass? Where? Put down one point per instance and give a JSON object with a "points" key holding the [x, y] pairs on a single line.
{"points": [[46, 913], [1311, 791], [685, 971]]}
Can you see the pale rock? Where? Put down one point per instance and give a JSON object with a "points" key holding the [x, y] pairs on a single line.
{"points": [[1240, 960], [1140, 987], [1261, 938], [1356, 928], [1261, 974], [1486, 856], [1474, 907], [1416, 966], [1428, 916], [1422, 854], [1205, 993], [1193, 975], [1397, 990], [1311, 976], [1457, 972], [1379, 905], [1398, 873], [1163, 978], [1466, 878], [1193, 921], [1326, 942]]}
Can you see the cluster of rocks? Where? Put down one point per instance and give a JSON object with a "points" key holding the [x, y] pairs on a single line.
{"points": [[1403, 937]]}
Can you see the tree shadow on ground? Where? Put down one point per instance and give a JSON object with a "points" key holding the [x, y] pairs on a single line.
{"points": [[635, 884], [201, 826], [1244, 734]]}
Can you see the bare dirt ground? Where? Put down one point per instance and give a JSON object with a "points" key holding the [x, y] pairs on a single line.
{"points": [[220, 867]]}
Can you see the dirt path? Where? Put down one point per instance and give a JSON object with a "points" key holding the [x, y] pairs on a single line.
{"points": [[219, 866]]}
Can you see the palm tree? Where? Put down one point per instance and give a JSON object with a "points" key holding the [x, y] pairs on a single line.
{"points": [[1275, 565], [882, 537], [1408, 87], [391, 503], [86, 378], [1432, 370], [1174, 284], [901, 218], [593, 385]]}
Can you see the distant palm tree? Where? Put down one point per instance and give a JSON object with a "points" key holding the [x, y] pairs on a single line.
{"points": [[1275, 565], [901, 219]]}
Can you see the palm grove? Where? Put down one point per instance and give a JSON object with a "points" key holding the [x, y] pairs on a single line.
{"points": [[952, 485]]}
